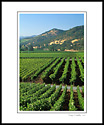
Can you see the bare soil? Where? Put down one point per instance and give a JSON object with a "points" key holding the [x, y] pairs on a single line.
{"points": [[38, 80]]}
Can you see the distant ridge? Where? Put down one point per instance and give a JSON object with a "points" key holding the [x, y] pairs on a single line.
{"points": [[26, 37]]}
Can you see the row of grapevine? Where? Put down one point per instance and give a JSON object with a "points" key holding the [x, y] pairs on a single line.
{"points": [[82, 59], [47, 71], [64, 74], [71, 101], [48, 93], [80, 98], [59, 103], [56, 69], [81, 69], [73, 71], [83, 89]]}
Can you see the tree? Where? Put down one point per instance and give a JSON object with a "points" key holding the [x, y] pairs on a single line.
{"points": [[31, 47], [51, 48], [62, 48], [25, 48]]}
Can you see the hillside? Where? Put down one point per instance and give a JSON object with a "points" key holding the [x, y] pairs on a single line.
{"points": [[56, 39]]}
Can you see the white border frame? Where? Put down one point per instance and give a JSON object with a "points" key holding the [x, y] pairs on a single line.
{"points": [[85, 59]]}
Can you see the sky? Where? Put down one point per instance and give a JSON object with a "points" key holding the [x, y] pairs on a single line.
{"points": [[36, 24]]}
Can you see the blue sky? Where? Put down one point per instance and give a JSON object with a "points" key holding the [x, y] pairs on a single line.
{"points": [[35, 24]]}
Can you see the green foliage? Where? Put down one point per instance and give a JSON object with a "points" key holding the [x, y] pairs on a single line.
{"points": [[59, 103], [44, 103], [25, 97], [55, 95], [41, 69], [82, 58], [48, 93], [29, 66], [47, 71], [38, 97], [64, 75], [73, 71], [39, 105], [30, 98], [71, 101], [80, 99], [39, 54], [56, 70], [39, 92], [81, 69], [25, 87], [83, 89]]}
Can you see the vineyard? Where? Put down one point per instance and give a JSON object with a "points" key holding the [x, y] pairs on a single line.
{"points": [[51, 84], [53, 70], [41, 97]]}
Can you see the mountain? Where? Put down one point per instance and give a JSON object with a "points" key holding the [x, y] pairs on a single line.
{"points": [[57, 39], [26, 37]]}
